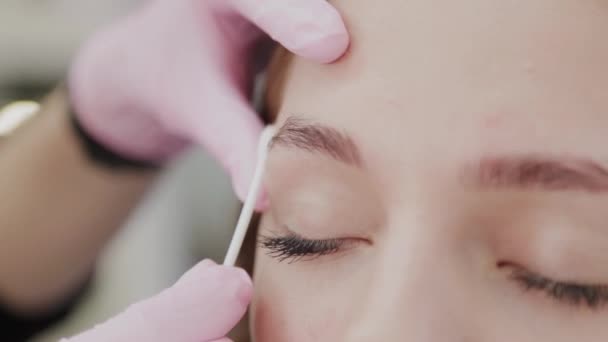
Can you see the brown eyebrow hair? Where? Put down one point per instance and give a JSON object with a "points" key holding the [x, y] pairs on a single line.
{"points": [[519, 172], [314, 137], [542, 173]]}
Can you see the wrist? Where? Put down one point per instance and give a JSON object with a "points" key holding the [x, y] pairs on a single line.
{"points": [[118, 135], [103, 156], [94, 144]]}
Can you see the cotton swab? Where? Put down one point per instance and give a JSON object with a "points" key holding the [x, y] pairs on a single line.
{"points": [[252, 198]]}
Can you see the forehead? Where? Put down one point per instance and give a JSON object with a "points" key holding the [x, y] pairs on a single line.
{"points": [[482, 75]]}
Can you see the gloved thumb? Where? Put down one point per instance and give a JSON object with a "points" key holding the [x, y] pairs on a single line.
{"points": [[204, 305], [309, 28], [231, 136]]}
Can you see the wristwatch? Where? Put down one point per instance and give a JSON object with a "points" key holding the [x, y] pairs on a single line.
{"points": [[103, 156], [15, 114]]}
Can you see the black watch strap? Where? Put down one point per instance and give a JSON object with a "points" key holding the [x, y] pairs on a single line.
{"points": [[103, 156]]}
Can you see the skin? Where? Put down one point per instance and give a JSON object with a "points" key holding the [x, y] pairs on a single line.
{"points": [[171, 74], [51, 234], [429, 98]]}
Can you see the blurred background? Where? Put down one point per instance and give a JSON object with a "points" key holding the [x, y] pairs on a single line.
{"points": [[190, 213]]}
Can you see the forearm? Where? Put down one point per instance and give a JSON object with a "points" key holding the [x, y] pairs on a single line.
{"points": [[58, 209]]}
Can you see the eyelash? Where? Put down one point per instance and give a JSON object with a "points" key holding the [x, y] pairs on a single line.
{"points": [[293, 248], [590, 296]]}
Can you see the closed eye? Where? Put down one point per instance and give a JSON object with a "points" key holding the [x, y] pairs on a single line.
{"points": [[294, 248], [592, 296]]}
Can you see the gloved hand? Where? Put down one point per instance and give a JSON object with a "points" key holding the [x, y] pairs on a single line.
{"points": [[203, 306], [178, 72]]}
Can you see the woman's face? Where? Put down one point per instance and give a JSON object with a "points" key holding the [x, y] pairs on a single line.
{"points": [[445, 181]]}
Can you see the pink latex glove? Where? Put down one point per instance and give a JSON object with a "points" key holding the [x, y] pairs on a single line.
{"points": [[203, 306], [179, 72]]}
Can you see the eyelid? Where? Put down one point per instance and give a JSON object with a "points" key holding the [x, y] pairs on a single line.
{"points": [[322, 208], [593, 296], [294, 247], [294, 233], [521, 270]]}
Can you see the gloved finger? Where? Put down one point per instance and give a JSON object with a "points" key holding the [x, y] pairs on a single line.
{"points": [[309, 28], [204, 305], [231, 137]]}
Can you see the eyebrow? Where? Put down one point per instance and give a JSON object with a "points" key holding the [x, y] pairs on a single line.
{"points": [[539, 173], [317, 138], [522, 172]]}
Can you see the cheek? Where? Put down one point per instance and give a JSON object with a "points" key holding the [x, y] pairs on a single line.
{"points": [[291, 304], [267, 322], [277, 319]]}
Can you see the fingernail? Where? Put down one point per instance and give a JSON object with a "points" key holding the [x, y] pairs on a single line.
{"points": [[245, 276], [245, 290], [241, 181], [207, 263], [263, 202], [239, 189], [324, 48], [312, 29]]}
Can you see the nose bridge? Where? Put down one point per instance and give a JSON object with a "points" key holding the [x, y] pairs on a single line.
{"points": [[417, 292]]}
